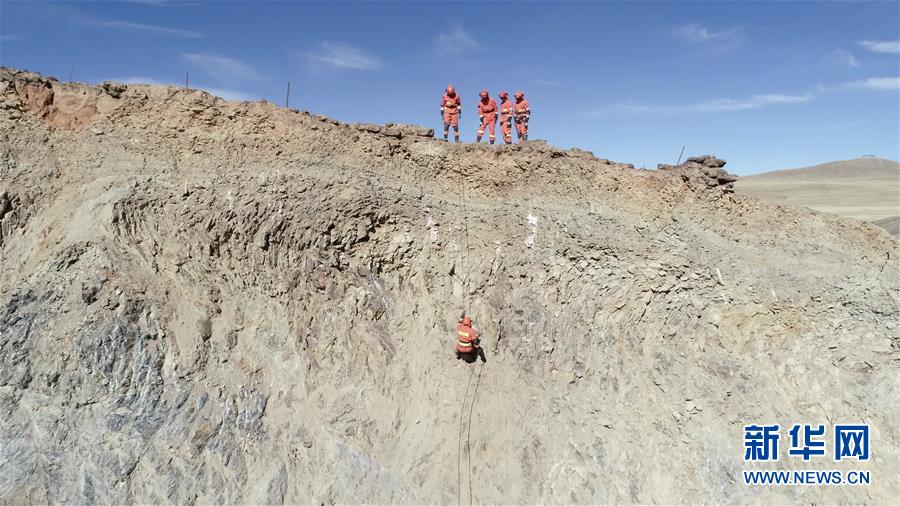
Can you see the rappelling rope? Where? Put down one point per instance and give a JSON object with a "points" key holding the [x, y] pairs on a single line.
{"points": [[466, 229], [469, 429], [462, 410]]}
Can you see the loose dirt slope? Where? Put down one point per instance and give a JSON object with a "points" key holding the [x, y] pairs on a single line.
{"points": [[863, 188], [216, 302]]}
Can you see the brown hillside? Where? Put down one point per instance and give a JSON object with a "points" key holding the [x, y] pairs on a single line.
{"points": [[213, 302]]}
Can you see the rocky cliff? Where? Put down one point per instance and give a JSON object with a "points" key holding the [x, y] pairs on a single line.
{"points": [[214, 302]]}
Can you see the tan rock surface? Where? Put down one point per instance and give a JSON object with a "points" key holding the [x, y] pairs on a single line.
{"points": [[214, 302]]}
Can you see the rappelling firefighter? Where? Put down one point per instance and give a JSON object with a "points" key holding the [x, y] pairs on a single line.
{"points": [[487, 115], [522, 111], [506, 117], [450, 111], [467, 342]]}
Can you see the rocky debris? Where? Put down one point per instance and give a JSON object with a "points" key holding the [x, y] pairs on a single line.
{"points": [[114, 89], [9, 74], [66, 106], [707, 161], [581, 153], [13, 213], [703, 172], [23, 90], [368, 127], [218, 302], [409, 130], [391, 131], [395, 131], [5, 204]]}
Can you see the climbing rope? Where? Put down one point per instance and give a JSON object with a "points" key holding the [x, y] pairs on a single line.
{"points": [[462, 416], [466, 229], [465, 403], [469, 429], [462, 410]]}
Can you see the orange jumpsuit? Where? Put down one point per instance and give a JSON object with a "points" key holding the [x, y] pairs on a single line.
{"points": [[465, 338], [450, 105], [523, 111], [487, 112], [506, 115]]}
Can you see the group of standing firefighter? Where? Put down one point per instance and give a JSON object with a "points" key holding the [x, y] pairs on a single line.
{"points": [[508, 113]]}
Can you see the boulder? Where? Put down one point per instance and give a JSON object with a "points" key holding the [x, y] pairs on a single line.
{"points": [[368, 127], [392, 131], [703, 172], [114, 89], [707, 161]]}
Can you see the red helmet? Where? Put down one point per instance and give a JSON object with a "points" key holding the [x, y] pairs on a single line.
{"points": [[483, 94], [450, 88], [504, 94], [519, 94], [466, 320]]}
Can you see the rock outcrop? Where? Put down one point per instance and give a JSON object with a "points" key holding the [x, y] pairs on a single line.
{"points": [[703, 172], [215, 302]]}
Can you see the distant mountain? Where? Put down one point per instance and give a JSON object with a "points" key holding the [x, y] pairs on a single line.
{"points": [[865, 188], [864, 167], [891, 224]]}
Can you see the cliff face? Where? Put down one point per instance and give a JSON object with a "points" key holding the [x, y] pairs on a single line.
{"points": [[204, 301]]}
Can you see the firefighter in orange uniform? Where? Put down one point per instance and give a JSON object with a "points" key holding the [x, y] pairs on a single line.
{"points": [[467, 342], [450, 111], [506, 116], [522, 110], [487, 113]]}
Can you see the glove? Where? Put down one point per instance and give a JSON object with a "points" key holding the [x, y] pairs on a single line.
{"points": [[477, 342]]}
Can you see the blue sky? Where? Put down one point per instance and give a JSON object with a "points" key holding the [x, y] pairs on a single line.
{"points": [[764, 85]]}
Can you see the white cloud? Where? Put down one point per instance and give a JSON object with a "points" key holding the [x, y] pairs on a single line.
{"points": [[881, 46], [342, 56], [874, 83], [222, 68], [842, 57], [726, 105], [77, 17], [708, 106], [696, 33], [153, 29], [10, 38], [456, 40]]}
